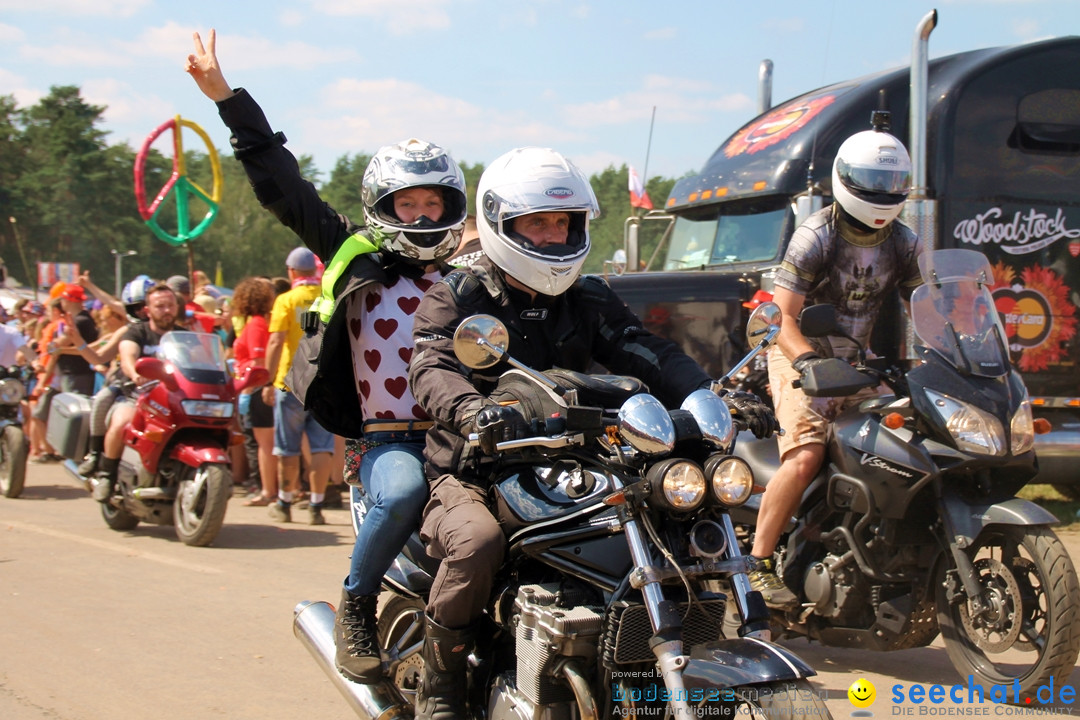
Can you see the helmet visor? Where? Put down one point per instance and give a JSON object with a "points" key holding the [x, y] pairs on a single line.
{"points": [[878, 185], [577, 235]]}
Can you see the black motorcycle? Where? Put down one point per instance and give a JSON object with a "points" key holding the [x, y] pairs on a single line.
{"points": [[14, 447], [912, 527], [622, 560]]}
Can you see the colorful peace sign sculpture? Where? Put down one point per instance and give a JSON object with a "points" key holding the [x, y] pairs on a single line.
{"points": [[179, 183]]}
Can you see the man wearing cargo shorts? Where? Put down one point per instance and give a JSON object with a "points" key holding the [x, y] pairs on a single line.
{"points": [[291, 420], [852, 255]]}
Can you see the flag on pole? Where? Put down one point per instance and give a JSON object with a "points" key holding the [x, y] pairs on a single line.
{"points": [[638, 197]]}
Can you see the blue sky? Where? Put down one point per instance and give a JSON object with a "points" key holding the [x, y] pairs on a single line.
{"points": [[483, 76]]}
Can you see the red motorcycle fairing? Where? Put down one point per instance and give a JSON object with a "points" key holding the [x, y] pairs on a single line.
{"points": [[196, 452]]}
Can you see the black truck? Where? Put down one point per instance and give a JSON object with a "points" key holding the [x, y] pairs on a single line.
{"points": [[994, 136]]}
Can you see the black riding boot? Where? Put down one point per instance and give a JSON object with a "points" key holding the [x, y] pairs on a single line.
{"points": [[356, 638], [104, 479], [442, 691], [90, 463]]}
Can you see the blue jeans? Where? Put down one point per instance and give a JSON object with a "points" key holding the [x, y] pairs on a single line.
{"points": [[291, 421], [394, 481]]}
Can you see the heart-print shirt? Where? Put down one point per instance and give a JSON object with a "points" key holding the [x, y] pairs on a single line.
{"points": [[380, 320]]}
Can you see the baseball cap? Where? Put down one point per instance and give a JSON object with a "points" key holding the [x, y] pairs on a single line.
{"points": [[179, 284], [74, 293], [301, 259]]}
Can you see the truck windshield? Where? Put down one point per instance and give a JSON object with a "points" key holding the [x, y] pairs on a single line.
{"points": [[729, 238]]}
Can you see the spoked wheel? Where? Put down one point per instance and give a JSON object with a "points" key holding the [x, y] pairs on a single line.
{"points": [[201, 500], [14, 450], [1029, 627], [401, 638]]}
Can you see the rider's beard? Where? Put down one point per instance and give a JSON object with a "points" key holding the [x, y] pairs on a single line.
{"points": [[164, 320]]}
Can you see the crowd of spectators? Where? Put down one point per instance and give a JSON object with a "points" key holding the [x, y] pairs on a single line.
{"points": [[33, 336]]}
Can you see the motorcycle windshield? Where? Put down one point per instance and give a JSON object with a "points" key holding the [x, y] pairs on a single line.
{"points": [[199, 357], [954, 314]]}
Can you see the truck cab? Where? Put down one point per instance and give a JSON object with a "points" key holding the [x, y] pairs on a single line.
{"points": [[996, 145]]}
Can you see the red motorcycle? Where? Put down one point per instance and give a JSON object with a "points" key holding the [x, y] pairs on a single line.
{"points": [[175, 464]]}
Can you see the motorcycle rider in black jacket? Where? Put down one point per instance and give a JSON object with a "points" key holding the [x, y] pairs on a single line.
{"points": [[533, 212]]}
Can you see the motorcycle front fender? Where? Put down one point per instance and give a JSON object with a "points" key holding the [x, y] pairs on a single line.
{"points": [[741, 661], [197, 453], [969, 519]]}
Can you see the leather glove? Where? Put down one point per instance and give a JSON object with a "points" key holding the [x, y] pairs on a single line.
{"points": [[243, 404], [749, 408], [806, 360], [499, 423]]}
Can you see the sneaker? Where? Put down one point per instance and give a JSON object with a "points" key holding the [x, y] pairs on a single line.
{"points": [[317, 516], [280, 512], [763, 578], [101, 487], [89, 464], [356, 639], [44, 458]]}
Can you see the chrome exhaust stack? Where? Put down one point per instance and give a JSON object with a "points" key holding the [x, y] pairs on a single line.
{"points": [[313, 625]]}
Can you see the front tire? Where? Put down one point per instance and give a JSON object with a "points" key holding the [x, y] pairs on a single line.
{"points": [[201, 500], [1031, 630], [13, 453], [401, 639]]}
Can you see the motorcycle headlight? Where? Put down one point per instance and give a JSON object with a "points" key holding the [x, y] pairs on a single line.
{"points": [[974, 430], [645, 423], [712, 416], [677, 485], [731, 479], [1022, 429], [205, 408], [11, 391]]}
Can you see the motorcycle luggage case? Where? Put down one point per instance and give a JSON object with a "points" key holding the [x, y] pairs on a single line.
{"points": [[69, 425]]}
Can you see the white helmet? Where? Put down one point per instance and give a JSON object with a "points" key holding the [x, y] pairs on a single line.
{"points": [[871, 177], [534, 180], [410, 164]]}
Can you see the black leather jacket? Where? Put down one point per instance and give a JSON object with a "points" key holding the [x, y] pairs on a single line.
{"points": [[321, 375], [587, 324]]}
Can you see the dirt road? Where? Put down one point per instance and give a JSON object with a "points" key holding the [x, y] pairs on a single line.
{"points": [[98, 625]]}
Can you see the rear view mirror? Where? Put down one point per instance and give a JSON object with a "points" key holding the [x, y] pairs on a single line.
{"points": [[763, 319], [480, 341], [818, 321]]}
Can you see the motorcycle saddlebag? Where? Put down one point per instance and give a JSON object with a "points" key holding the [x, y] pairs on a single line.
{"points": [[69, 424]]}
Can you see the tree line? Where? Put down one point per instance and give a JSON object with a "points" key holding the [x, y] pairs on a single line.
{"points": [[67, 195]]}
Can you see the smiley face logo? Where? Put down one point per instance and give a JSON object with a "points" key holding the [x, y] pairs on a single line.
{"points": [[862, 693]]}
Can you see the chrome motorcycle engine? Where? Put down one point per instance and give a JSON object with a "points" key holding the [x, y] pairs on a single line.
{"points": [[552, 624]]}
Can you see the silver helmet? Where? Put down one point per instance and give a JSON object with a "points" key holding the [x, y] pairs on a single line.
{"points": [[414, 164]]}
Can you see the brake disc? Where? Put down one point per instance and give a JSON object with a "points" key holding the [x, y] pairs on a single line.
{"points": [[998, 626]]}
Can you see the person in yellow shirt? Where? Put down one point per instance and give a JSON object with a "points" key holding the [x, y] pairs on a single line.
{"points": [[291, 421]]}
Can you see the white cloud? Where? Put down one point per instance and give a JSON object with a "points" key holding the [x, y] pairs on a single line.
{"points": [[667, 33], [400, 18], [103, 8], [291, 18], [361, 115], [677, 101], [125, 105], [16, 85], [11, 34], [173, 42]]}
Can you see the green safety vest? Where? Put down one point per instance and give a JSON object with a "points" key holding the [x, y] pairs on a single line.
{"points": [[353, 246]]}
